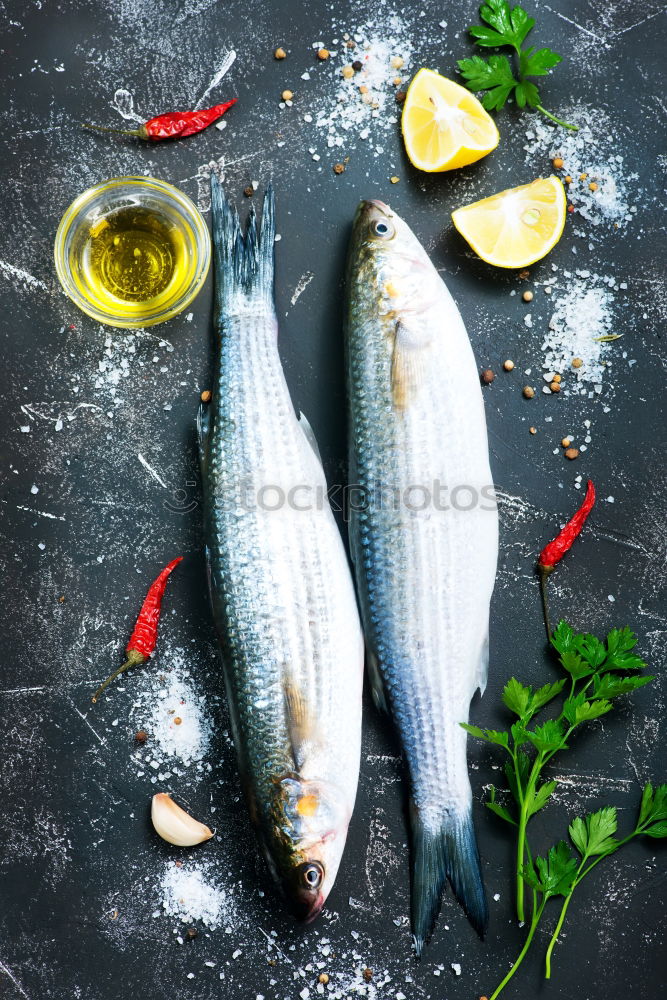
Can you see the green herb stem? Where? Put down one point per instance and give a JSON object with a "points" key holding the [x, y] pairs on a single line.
{"points": [[522, 954], [558, 121]]}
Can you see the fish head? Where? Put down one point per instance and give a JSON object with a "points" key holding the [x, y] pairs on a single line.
{"points": [[308, 828], [388, 264]]}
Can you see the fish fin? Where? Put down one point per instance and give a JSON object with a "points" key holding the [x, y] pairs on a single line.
{"points": [[310, 435], [447, 853], [244, 261], [483, 665], [378, 690], [203, 429], [407, 366], [299, 721]]}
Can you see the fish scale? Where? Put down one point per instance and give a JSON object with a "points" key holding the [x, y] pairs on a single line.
{"points": [[281, 589], [424, 576]]}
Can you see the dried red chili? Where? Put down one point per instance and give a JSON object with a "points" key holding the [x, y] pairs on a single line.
{"points": [[144, 636], [562, 543], [174, 125]]}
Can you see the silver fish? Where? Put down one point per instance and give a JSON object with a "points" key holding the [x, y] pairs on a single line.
{"points": [[424, 536], [280, 584]]}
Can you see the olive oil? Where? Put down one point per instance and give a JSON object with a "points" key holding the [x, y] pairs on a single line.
{"points": [[132, 255]]}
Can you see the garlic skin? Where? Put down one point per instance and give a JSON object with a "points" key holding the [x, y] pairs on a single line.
{"points": [[174, 825]]}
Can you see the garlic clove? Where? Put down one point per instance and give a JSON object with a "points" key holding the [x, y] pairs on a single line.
{"points": [[174, 825]]}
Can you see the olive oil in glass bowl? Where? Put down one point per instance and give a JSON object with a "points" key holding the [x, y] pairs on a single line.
{"points": [[133, 251]]}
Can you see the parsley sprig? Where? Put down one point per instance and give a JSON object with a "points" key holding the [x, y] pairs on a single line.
{"points": [[508, 27], [596, 673]]}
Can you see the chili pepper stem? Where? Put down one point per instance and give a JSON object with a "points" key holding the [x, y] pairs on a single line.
{"points": [[544, 572], [134, 659], [138, 133]]}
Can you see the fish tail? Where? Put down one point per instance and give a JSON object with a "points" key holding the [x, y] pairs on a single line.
{"points": [[449, 852], [244, 260]]}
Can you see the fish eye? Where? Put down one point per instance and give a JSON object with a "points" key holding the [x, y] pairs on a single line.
{"points": [[383, 229], [312, 874]]}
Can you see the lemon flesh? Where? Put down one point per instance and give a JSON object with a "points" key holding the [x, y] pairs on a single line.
{"points": [[444, 125], [517, 227]]}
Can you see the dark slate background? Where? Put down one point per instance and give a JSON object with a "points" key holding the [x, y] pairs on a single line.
{"points": [[74, 833]]}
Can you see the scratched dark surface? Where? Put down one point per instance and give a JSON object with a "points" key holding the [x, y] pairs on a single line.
{"points": [[75, 842]]}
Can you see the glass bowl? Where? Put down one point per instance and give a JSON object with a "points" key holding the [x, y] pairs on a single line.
{"points": [[99, 230]]}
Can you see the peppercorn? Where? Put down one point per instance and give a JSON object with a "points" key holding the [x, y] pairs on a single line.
{"points": [[350, 44], [249, 191], [524, 274], [557, 162], [206, 394], [338, 168], [323, 978], [140, 736], [572, 453], [61, 599], [363, 89], [508, 365], [178, 720], [347, 72], [592, 186], [357, 65], [368, 975], [577, 362], [567, 179], [394, 180], [570, 208], [527, 296], [323, 54], [396, 62], [400, 96], [566, 442], [554, 386], [533, 430], [397, 81], [191, 933], [279, 53], [582, 177], [487, 376], [287, 95], [528, 391]]}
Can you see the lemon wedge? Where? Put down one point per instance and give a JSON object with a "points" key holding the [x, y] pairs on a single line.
{"points": [[516, 227], [444, 125]]}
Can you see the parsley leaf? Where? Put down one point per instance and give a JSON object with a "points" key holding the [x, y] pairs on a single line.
{"points": [[507, 27], [555, 873], [594, 834], [653, 811]]}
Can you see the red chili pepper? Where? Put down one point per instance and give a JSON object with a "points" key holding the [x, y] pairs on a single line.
{"points": [[562, 543], [174, 125], [143, 638]]}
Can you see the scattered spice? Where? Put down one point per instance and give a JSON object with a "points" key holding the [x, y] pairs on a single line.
{"points": [[363, 89], [394, 179], [533, 430], [368, 975], [592, 186], [528, 391], [174, 125], [554, 386], [397, 81], [567, 179], [582, 177], [572, 453], [396, 62], [279, 53], [400, 96], [206, 394], [524, 274], [338, 168], [178, 720], [487, 376], [570, 207], [357, 65], [508, 365], [192, 932], [577, 362], [557, 162], [552, 553], [61, 599], [557, 378], [323, 978], [140, 736], [323, 54], [527, 296], [249, 191], [287, 95], [566, 442], [143, 638], [347, 72]]}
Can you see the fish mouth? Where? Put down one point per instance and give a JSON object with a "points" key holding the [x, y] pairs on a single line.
{"points": [[303, 889]]}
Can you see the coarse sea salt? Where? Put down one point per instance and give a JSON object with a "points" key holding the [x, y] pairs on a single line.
{"points": [[189, 893], [582, 312]]}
